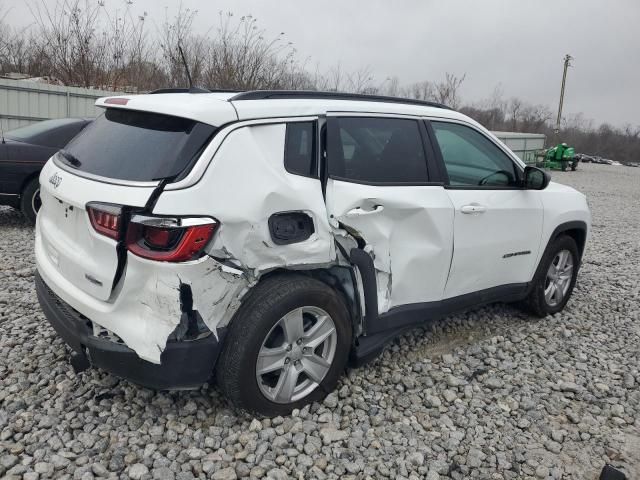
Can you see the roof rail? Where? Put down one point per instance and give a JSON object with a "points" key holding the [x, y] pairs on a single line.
{"points": [[310, 95]]}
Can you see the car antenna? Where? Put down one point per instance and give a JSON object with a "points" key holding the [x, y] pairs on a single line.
{"points": [[186, 66]]}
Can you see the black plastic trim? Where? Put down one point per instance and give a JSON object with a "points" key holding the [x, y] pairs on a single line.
{"points": [[310, 95], [184, 364], [483, 187], [417, 313], [301, 224], [437, 160], [564, 227], [380, 329], [363, 261]]}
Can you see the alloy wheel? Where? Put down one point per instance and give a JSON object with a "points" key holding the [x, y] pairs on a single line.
{"points": [[296, 354], [558, 280], [36, 203]]}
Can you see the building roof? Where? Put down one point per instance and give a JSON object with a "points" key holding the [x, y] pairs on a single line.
{"points": [[518, 135]]}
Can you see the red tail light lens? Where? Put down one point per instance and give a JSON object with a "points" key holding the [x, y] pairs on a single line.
{"points": [[106, 219], [169, 240]]}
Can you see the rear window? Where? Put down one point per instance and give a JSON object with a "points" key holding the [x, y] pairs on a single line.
{"points": [[138, 146]]}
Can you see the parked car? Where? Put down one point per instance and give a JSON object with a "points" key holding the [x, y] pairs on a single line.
{"points": [[584, 158], [23, 153], [267, 238]]}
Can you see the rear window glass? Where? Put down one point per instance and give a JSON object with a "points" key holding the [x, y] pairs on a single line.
{"points": [[299, 150], [138, 146]]}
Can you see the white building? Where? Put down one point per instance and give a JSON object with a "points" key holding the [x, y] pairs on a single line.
{"points": [[524, 145]]}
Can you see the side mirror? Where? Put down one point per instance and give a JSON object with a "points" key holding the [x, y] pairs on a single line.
{"points": [[535, 178]]}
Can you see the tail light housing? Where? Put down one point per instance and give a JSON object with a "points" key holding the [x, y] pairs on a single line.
{"points": [[169, 239], [156, 238], [106, 219]]}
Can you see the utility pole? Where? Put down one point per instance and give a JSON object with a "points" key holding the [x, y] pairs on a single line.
{"points": [[567, 64]]}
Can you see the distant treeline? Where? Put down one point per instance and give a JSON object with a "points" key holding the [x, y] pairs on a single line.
{"points": [[83, 43]]}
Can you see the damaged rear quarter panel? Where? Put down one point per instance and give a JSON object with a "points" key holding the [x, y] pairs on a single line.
{"points": [[243, 186], [149, 303]]}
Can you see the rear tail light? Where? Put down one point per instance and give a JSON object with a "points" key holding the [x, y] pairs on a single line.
{"points": [[106, 219], [169, 239], [156, 238]]}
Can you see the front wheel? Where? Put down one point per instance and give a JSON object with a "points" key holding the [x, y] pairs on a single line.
{"points": [[555, 277], [30, 200], [286, 347]]}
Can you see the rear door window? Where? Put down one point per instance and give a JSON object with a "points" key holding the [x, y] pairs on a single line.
{"points": [[138, 146], [376, 150]]}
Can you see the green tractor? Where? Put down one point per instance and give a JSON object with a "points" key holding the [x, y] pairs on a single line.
{"points": [[559, 157]]}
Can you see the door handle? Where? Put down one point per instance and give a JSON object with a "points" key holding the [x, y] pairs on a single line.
{"points": [[359, 211], [470, 209]]}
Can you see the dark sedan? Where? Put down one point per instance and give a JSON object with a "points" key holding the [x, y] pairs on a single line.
{"points": [[23, 152]]}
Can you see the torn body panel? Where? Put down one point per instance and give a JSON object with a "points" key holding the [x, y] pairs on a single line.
{"points": [[146, 306]]}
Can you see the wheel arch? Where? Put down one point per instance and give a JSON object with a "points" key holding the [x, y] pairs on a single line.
{"points": [[28, 179], [340, 278], [576, 229]]}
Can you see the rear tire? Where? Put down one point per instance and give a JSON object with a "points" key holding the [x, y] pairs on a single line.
{"points": [[552, 286], [30, 200], [257, 330]]}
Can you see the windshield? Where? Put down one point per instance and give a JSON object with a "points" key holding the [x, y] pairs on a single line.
{"points": [[137, 146]]}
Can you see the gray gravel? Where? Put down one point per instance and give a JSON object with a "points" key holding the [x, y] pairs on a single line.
{"points": [[491, 393]]}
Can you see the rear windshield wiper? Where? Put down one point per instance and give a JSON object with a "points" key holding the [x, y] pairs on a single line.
{"points": [[70, 158]]}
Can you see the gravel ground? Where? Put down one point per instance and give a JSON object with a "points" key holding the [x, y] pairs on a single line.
{"points": [[491, 393]]}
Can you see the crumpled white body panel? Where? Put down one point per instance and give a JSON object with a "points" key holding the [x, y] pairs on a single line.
{"points": [[145, 308], [256, 185], [410, 238]]}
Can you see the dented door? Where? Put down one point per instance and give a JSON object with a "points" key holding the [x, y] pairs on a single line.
{"points": [[378, 189]]}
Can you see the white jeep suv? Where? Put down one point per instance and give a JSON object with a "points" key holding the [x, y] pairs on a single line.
{"points": [[268, 238]]}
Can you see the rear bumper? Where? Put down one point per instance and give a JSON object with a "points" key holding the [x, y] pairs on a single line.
{"points": [[184, 364]]}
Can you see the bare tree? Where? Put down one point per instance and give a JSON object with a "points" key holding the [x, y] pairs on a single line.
{"points": [[448, 90], [361, 81], [420, 91], [242, 57], [515, 107]]}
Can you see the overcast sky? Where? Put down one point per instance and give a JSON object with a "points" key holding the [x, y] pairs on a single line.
{"points": [[517, 44]]}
